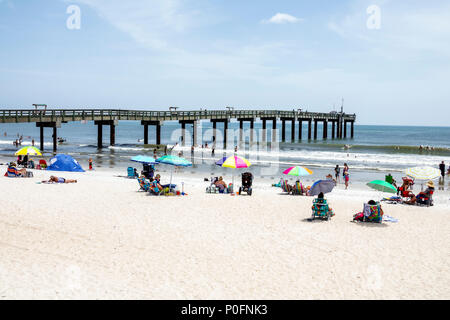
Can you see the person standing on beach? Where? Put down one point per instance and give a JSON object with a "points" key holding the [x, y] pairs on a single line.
{"points": [[346, 175], [442, 168], [90, 163], [337, 170]]}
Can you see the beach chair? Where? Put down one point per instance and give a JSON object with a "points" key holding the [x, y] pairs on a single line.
{"points": [[42, 164], [298, 189], [12, 173], [285, 186], [371, 213], [426, 201], [143, 184], [130, 173], [321, 210]]}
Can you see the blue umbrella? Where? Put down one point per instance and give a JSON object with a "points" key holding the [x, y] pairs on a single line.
{"points": [[143, 159], [174, 161], [323, 186]]}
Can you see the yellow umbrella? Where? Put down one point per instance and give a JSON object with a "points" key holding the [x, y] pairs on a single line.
{"points": [[30, 151]]}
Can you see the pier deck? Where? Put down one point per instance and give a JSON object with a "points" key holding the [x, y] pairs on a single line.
{"points": [[53, 118]]}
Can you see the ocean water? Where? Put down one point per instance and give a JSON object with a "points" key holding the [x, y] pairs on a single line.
{"points": [[373, 152]]}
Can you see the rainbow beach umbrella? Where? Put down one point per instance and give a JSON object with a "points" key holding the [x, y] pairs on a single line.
{"points": [[298, 171], [233, 162], [29, 150]]}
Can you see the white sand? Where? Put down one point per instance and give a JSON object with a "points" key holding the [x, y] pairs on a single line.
{"points": [[101, 239]]}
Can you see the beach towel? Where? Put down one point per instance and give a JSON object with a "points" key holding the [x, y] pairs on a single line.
{"points": [[390, 219]]}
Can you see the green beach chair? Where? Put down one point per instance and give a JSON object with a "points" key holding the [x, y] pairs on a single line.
{"points": [[321, 210]]}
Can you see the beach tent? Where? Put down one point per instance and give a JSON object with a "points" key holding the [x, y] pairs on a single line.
{"points": [[64, 162]]}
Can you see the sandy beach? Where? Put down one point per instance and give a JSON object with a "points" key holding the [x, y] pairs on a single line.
{"points": [[102, 239]]}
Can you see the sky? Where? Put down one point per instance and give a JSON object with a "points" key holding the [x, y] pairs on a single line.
{"points": [[388, 59]]}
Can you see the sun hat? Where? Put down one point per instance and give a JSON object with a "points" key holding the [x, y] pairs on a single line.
{"points": [[430, 184]]}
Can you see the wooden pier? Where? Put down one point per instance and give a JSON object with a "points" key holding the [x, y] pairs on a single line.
{"points": [[53, 118]]}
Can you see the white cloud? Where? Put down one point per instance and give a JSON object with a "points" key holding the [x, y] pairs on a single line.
{"points": [[282, 18]]}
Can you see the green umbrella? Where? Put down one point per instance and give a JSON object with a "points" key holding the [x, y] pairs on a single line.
{"points": [[383, 186]]}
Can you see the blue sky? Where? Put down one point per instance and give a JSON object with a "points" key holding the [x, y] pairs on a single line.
{"points": [[152, 54]]}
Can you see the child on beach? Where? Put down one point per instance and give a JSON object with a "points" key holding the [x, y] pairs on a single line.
{"points": [[90, 163]]}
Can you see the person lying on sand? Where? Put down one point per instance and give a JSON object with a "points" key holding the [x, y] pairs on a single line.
{"points": [[54, 179]]}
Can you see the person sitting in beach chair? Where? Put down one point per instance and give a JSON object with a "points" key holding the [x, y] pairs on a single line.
{"points": [[54, 179], [405, 190], [372, 212], [13, 172], [425, 197], [155, 186], [298, 189], [321, 209], [221, 185], [285, 186]]}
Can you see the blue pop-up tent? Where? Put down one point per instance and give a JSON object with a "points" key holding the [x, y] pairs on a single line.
{"points": [[64, 162]]}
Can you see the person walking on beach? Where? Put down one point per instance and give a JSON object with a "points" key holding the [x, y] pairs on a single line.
{"points": [[337, 171], [442, 168], [346, 175]]}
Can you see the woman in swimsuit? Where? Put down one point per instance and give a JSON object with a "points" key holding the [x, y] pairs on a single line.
{"points": [[54, 179]]}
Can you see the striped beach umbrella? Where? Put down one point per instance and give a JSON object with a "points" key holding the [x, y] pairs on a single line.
{"points": [[298, 171], [29, 150], [423, 173], [233, 162]]}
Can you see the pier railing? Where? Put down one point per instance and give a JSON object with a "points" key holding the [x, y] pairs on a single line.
{"points": [[65, 115]]}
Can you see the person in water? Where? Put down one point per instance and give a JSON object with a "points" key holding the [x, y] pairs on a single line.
{"points": [[337, 171]]}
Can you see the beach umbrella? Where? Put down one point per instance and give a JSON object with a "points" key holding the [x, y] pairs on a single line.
{"points": [[324, 186], [383, 186], [298, 171], [29, 150], [234, 162], [423, 173], [173, 161], [144, 159]]}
